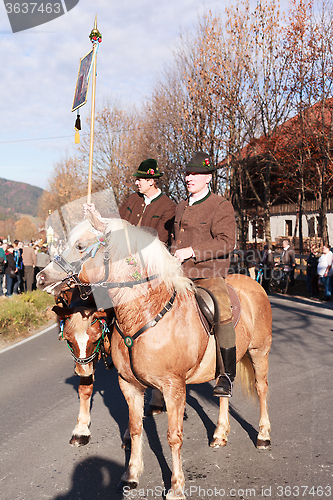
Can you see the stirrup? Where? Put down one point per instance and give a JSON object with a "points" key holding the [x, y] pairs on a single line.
{"points": [[223, 387]]}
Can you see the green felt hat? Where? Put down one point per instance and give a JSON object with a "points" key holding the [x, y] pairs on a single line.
{"points": [[200, 164], [148, 169]]}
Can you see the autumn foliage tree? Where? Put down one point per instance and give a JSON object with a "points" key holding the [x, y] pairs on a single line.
{"points": [[116, 147], [7, 229], [67, 183], [239, 82], [25, 229]]}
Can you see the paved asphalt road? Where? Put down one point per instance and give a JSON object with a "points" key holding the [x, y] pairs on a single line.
{"points": [[39, 406]]}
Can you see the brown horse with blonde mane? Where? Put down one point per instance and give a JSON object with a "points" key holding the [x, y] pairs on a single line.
{"points": [[159, 340]]}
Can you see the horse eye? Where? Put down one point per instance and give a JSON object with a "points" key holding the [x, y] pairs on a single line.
{"points": [[80, 246]]}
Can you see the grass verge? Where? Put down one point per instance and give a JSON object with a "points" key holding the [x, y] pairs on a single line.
{"points": [[21, 313]]}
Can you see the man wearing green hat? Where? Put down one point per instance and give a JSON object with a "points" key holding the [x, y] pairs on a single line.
{"points": [[205, 231], [149, 207]]}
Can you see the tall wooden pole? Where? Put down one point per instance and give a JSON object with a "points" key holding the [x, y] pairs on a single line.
{"points": [[93, 96]]}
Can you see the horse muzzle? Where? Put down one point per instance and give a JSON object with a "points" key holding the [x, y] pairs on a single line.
{"points": [[85, 370]]}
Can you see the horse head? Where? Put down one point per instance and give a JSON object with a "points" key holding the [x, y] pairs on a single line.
{"points": [[84, 330], [112, 257], [70, 267]]}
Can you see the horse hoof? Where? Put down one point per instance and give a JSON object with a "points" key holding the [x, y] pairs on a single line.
{"points": [[126, 445], [263, 444], [218, 442], [79, 440], [155, 410], [175, 495], [130, 484]]}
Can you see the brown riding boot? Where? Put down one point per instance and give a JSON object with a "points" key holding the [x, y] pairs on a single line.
{"points": [[223, 387]]}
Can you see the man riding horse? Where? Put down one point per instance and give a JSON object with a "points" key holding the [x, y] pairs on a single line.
{"points": [[149, 207], [205, 232], [204, 237]]}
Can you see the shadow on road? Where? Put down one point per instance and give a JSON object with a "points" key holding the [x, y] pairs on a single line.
{"points": [[205, 392], [93, 478], [301, 300]]}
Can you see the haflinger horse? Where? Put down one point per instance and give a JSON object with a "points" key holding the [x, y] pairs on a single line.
{"points": [[88, 336], [159, 340]]}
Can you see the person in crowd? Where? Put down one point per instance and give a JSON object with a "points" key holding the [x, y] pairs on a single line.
{"points": [[3, 260], [42, 259], [288, 260], [18, 286], [10, 271], [29, 263], [204, 237], [267, 260], [311, 271], [325, 271], [252, 260]]}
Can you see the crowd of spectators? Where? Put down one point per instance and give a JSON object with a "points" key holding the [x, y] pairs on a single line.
{"points": [[319, 266], [20, 262]]}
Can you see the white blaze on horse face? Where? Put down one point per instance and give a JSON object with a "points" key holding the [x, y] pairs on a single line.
{"points": [[82, 339]]}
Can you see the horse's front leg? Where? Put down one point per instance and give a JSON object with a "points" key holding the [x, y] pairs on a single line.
{"points": [[260, 365], [175, 398], [134, 396], [222, 430], [81, 433]]}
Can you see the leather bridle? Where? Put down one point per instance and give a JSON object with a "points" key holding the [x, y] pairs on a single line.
{"points": [[73, 269], [98, 348]]}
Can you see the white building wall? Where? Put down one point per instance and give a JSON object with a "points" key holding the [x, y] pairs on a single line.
{"points": [[330, 228], [278, 225]]}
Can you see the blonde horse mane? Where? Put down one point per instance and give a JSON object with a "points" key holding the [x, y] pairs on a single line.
{"points": [[126, 241]]}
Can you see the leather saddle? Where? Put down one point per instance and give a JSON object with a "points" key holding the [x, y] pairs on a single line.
{"points": [[209, 308]]}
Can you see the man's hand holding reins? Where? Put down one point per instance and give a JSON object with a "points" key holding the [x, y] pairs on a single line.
{"points": [[183, 254]]}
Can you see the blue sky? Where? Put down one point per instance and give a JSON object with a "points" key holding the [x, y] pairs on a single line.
{"points": [[39, 69]]}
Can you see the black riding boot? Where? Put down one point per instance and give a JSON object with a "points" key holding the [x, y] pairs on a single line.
{"points": [[224, 382]]}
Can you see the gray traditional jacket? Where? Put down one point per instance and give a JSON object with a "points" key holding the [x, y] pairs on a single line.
{"points": [[209, 227]]}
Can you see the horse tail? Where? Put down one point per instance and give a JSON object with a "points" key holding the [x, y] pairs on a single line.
{"points": [[245, 375]]}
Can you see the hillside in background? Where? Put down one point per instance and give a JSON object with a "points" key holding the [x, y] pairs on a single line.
{"points": [[18, 198]]}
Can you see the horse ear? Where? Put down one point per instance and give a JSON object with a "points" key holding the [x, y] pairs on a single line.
{"points": [[100, 314], [96, 220], [62, 312]]}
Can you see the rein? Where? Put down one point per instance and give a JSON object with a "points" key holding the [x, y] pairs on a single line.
{"points": [[129, 341]]}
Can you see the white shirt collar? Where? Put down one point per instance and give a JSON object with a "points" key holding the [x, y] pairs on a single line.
{"points": [[191, 200], [149, 200]]}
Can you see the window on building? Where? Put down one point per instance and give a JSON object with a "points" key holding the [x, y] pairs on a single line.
{"points": [[312, 226], [289, 228]]}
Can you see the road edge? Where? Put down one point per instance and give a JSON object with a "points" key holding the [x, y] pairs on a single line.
{"points": [[28, 338]]}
